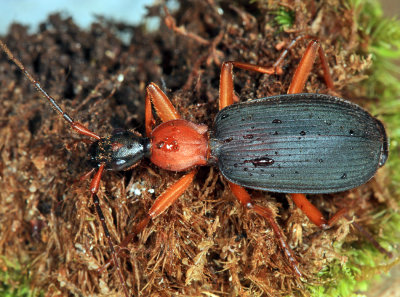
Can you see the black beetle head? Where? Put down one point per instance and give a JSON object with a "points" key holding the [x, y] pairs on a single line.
{"points": [[120, 151]]}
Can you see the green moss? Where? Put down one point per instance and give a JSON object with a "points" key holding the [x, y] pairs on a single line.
{"points": [[284, 18], [343, 279], [14, 281], [380, 39]]}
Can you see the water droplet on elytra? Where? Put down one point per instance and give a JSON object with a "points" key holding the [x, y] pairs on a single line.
{"points": [[227, 140], [248, 136], [261, 162]]}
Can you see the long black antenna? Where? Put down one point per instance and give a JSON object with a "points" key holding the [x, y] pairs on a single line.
{"points": [[78, 127]]}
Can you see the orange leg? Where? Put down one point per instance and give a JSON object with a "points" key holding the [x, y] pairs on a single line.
{"points": [[163, 106], [226, 98], [169, 196], [226, 79], [303, 70], [315, 46], [165, 200], [166, 112], [313, 214], [299, 79], [245, 199], [296, 86], [94, 187]]}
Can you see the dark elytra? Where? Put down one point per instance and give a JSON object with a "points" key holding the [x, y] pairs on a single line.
{"points": [[298, 143]]}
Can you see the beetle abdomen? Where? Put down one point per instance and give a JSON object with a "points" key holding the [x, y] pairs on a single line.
{"points": [[298, 143]]}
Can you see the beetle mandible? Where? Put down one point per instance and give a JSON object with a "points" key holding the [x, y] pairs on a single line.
{"points": [[296, 143]]}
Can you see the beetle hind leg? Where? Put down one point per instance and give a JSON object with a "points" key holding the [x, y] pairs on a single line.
{"points": [[245, 199], [313, 214]]}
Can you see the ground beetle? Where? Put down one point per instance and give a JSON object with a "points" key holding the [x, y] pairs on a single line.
{"points": [[294, 143]]}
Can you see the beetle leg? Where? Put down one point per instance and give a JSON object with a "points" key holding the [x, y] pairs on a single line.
{"points": [[318, 219], [163, 106], [245, 199], [314, 214], [297, 86], [226, 93], [170, 195], [94, 187], [303, 70], [165, 200]]}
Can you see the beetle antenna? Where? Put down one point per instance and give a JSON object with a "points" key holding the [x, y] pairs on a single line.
{"points": [[78, 127]]}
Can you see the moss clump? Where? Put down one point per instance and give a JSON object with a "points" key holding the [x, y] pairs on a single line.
{"points": [[379, 39]]}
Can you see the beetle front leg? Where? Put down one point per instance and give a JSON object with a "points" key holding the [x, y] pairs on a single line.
{"points": [[162, 203], [167, 198], [94, 187], [163, 106]]}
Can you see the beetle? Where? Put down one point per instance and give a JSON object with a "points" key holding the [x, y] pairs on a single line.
{"points": [[296, 143]]}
